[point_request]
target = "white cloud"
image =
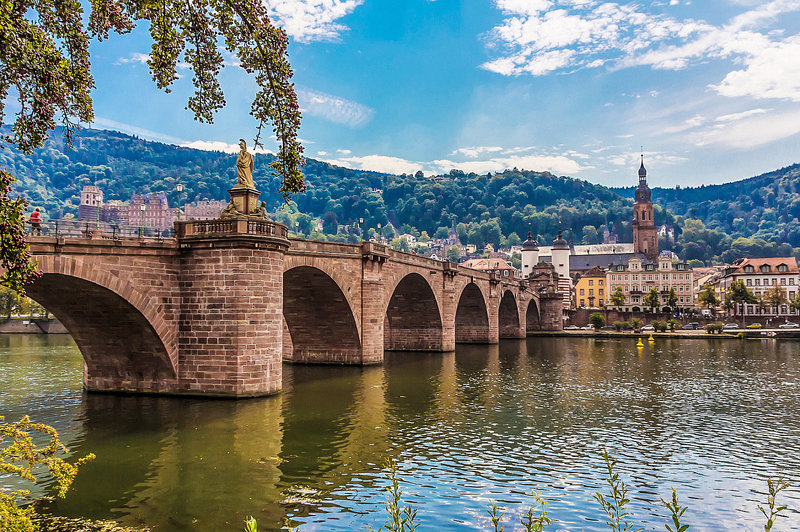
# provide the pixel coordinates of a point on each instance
(105, 123)
(773, 72)
(378, 163)
(539, 37)
(216, 145)
(475, 151)
(135, 57)
(344, 152)
(311, 20)
(738, 116)
(557, 164)
(751, 131)
(334, 108)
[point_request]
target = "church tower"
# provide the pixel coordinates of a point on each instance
(645, 236)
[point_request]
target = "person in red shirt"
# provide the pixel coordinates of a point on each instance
(36, 221)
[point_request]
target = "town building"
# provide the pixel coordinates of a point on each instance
(497, 265)
(91, 202)
(156, 213)
(759, 276)
(645, 234)
(204, 210)
(114, 212)
(590, 289)
(640, 275)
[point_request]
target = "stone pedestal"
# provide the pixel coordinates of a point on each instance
(244, 200)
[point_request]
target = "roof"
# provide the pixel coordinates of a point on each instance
(488, 264)
(594, 271)
(593, 249)
(530, 243)
(587, 262)
(773, 262)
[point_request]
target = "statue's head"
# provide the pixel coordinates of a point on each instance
(242, 144)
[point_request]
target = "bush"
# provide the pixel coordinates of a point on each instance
(659, 325)
(617, 325)
(674, 324)
(636, 323)
(597, 320)
(712, 328)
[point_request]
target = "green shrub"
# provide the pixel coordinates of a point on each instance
(712, 328)
(597, 320)
(674, 324)
(636, 323)
(618, 325)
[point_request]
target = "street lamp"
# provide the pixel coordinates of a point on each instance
(380, 236)
(297, 227)
(179, 188)
(142, 208)
(361, 228)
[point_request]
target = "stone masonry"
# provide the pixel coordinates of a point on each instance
(216, 310)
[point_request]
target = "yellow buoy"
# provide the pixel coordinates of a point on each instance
(651, 339)
(639, 343)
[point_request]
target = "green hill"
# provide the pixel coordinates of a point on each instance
(492, 208)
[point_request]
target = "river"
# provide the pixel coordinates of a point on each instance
(711, 418)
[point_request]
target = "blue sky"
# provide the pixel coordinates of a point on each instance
(710, 88)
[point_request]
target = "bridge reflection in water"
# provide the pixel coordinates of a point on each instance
(710, 418)
(215, 310)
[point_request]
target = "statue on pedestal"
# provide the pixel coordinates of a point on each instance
(244, 166)
(244, 196)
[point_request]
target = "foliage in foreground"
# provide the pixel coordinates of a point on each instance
(19, 457)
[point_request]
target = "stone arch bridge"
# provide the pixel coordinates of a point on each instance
(217, 310)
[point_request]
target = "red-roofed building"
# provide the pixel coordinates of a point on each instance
(500, 266)
(759, 276)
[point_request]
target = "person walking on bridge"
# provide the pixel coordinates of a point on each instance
(36, 221)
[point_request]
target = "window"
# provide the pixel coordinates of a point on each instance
(783, 281)
(748, 269)
(758, 282)
(600, 292)
(635, 278)
(791, 281)
(791, 295)
(583, 303)
(581, 291)
(591, 291)
(749, 282)
(765, 268)
(600, 282)
(591, 283)
(626, 277)
(783, 268)
(674, 277)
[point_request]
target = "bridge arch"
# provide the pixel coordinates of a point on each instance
(319, 319)
(412, 320)
(472, 316)
(123, 335)
(532, 317)
(508, 316)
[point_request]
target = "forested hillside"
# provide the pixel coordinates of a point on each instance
(752, 217)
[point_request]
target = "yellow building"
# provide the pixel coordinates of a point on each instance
(590, 290)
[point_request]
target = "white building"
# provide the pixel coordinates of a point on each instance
(639, 276)
(759, 276)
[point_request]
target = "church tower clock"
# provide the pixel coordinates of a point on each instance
(645, 236)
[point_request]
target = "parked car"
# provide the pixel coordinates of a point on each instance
(608, 328)
(693, 326)
(572, 328)
(729, 326)
(754, 326)
(789, 325)
(587, 328)
(648, 328)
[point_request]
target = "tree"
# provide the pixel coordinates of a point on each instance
(453, 253)
(740, 295)
(330, 223)
(22, 458)
(44, 58)
(617, 297)
(672, 300)
(708, 298)
(775, 297)
(652, 300)
(597, 319)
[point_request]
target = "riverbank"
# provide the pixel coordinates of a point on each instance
(733, 334)
(32, 326)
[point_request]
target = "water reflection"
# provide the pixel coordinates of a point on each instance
(711, 418)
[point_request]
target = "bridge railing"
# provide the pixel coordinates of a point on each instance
(233, 226)
(98, 230)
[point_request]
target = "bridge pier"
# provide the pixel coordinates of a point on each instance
(231, 319)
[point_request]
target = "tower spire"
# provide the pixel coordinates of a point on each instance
(642, 170)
